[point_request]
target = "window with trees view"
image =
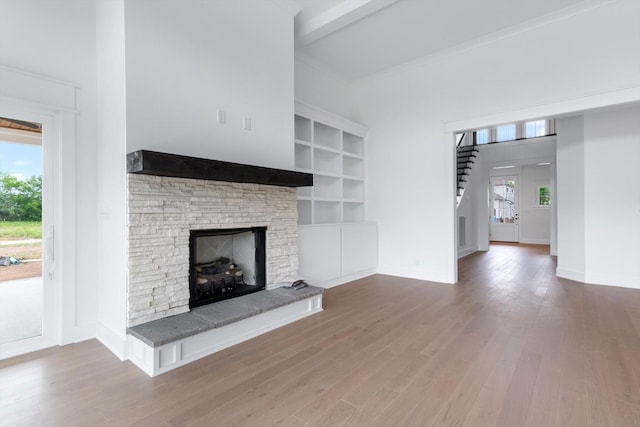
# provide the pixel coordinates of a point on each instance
(544, 195)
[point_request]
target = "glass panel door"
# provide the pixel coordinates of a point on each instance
(26, 297)
(504, 208)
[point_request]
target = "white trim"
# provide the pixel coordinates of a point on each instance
(52, 302)
(561, 107)
(577, 276)
(158, 360)
(53, 103)
(346, 279)
(112, 340)
(339, 16)
(535, 241)
(466, 252)
(37, 76)
(420, 274)
(325, 117)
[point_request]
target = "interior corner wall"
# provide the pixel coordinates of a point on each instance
(187, 59)
(410, 157)
(56, 40)
(612, 197)
(111, 276)
(571, 198)
(322, 89)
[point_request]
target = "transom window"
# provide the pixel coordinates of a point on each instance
(506, 133)
(482, 136)
(535, 128)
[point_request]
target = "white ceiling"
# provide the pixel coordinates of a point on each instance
(356, 38)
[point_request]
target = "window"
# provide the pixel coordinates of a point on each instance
(482, 136)
(506, 133)
(535, 128)
(544, 195)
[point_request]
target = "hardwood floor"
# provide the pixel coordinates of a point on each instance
(509, 345)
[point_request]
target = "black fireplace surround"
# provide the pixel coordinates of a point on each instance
(226, 263)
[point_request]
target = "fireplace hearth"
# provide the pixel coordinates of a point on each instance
(226, 263)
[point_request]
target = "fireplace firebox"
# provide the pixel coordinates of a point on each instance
(226, 263)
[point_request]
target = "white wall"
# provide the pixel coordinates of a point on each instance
(186, 59)
(322, 89)
(570, 195)
(57, 40)
(535, 221)
(612, 197)
(111, 275)
(410, 145)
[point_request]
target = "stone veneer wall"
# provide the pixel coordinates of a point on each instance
(162, 211)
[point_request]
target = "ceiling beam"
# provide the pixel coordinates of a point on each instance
(344, 13)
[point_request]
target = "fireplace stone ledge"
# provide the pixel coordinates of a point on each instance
(201, 319)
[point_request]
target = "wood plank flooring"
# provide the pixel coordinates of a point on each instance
(509, 345)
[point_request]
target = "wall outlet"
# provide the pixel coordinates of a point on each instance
(246, 123)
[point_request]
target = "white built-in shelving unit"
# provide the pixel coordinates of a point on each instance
(333, 150)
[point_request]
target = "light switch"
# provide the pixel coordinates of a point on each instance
(221, 116)
(246, 123)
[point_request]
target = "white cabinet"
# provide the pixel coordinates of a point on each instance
(332, 254)
(331, 148)
(335, 244)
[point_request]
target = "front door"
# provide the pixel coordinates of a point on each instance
(504, 209)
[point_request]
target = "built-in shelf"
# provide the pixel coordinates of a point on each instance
(303, 129)
(326, 136)
(326, 162)
(352, 189)
(326, 212)
(353, 211)
(303, 157)
(353, 167)
(333, 150)
(304, 211)
(352, 144)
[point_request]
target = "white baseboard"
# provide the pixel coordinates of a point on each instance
(84, 332)
(113, 341)
(345, 279)
(158, 360)
(578, 276)
(464, 252)
(535, 241)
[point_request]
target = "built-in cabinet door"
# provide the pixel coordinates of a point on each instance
(332, 254)
(504, 208)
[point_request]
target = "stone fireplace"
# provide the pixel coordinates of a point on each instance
(226, 263)
(170, 197)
